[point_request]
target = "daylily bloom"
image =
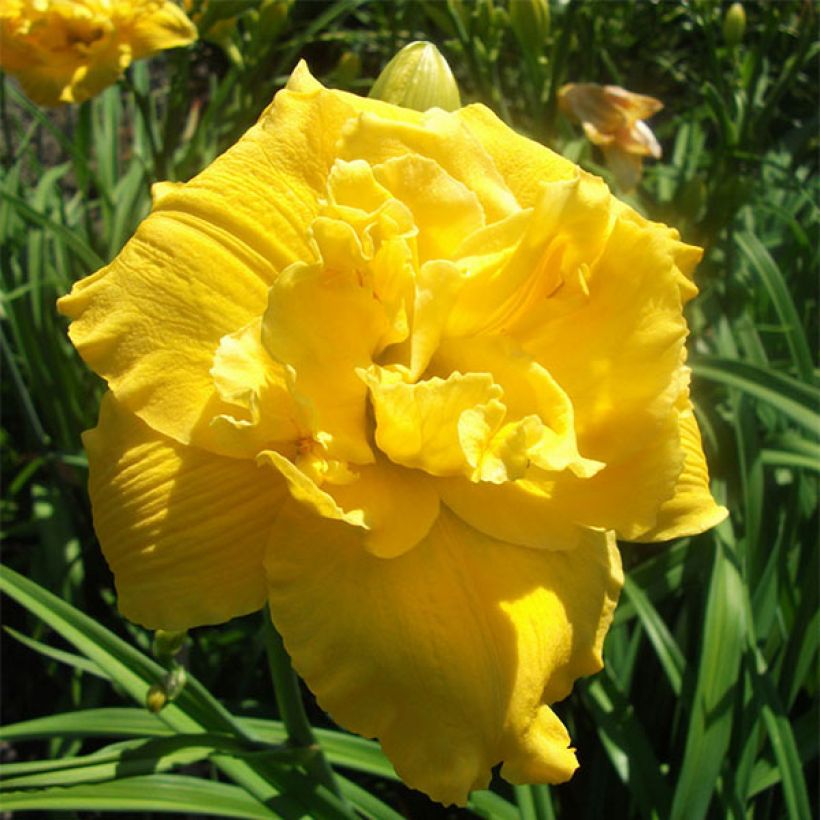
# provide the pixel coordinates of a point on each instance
(613, 119)
(405, 376)
(66, 51)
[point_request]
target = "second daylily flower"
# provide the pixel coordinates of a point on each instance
(613, 119)
(67, 51)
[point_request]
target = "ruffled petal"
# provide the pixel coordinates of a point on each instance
(417, 425)
(524, 164)
(183, 530)
(393, 508)
(441, 137)
(263, 412)
(166, 27)
(563, 235)
(200, 266)
(324, 323)
(691, 509)
(620, 358)
(530, 394)
(444, 210)
(449, 653)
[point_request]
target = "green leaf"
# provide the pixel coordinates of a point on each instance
(773, 280)
(667, 650)
(710, 724)
(194, 710)
(125, 760)
(75, 661)
(61, 232)
(795, 794)
(159, 792)
(626, 744)
(797, 401)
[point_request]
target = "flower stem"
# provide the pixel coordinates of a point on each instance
(292, 709)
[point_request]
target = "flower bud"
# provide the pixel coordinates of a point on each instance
(530, 22)
(418, 77)
(348, 68)
(156, 698)
(734, 25)
(175, 682)
(168, 643)
(273, 16)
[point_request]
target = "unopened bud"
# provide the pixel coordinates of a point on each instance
(530, 22)
(167, 643)
(348, 68)
(734, 25)
(273, 15)
(156, 698)
(175, 682)
(418, 77)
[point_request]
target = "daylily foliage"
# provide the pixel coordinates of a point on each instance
(405, 376)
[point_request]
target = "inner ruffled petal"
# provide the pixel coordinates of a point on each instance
(393, 509)
(417, 425)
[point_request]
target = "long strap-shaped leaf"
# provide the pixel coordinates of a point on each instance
(195, 710)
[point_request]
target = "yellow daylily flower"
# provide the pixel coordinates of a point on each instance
(613, 119)
(66, 51)
(405, 376)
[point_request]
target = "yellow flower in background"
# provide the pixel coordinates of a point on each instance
(65, 51)
(613, 118)
(405, 376)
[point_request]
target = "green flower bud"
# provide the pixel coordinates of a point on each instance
(530, 22)
(175, 682)
(156, 698)
(418, 77)
(734, 25)
(273, 15)
(348, 68)
(168, 643)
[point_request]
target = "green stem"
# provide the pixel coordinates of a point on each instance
(292, 709)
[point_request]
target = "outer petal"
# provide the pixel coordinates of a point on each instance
(183, 530)
(525, 165)
(200, 266)
(620, 357)
(691, 509)
(447, 652)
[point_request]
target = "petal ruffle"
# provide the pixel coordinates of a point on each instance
(448, 653)
(620, 358)
(324, 324)
(524, 164)
(200, 266)
(438, 136)
(183, 530)
(393, 508)
(692, 509)
(166, 27)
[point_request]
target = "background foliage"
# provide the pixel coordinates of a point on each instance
(708, 703)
